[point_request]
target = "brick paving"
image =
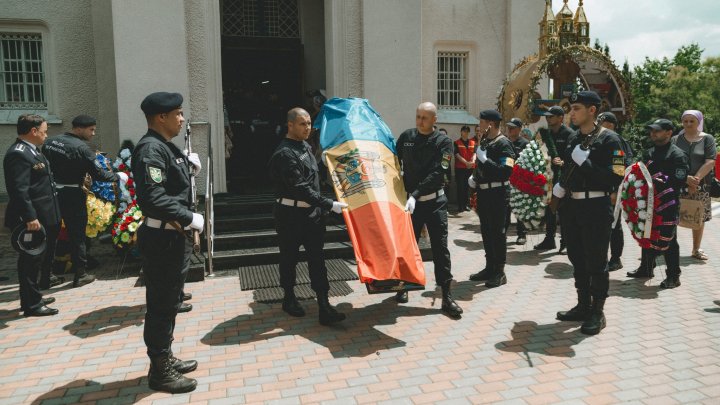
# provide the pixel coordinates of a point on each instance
(660, 347)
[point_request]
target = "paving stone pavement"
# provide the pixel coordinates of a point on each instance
(660, 347)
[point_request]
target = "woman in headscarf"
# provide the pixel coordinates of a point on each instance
(700, 148)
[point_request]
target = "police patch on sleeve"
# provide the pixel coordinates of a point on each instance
(507, 161)
(445, 161)
(619, 169)
(155, 174)
(680, 173)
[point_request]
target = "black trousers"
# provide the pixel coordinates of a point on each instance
(519, 226)
(433, 215)
(306, 227)
(617, 241)
(492, 208)
(166, 261)
(551, 222)
(463, 189)
(73, 209)
(586, 224)
(672, 257)
(29, 267)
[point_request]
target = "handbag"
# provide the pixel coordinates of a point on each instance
(691, 213)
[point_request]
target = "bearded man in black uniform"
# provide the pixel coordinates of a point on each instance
(495, 160)
(162, 185)
(589, 177)
(666, 158)
(300, 216)
(33, 204)
(72, 159)
(425, 156)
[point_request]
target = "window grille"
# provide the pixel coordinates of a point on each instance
(452, 80)
(22, 77)
(261, 18)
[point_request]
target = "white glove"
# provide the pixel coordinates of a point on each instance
(471, 182)
(123, 177)
(558, 191)
(410, 205)
(198, 222)
(323, 156)
(579, 155)
(481, 155)
(194, 159)
(338, 206)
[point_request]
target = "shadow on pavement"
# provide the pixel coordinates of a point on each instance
(106, 320)
(634, 288)
(93, 391)
(559, 271)
(469, 245)
(354, 337)
(554, 339)
(528, 257)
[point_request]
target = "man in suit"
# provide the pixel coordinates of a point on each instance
(33, 204)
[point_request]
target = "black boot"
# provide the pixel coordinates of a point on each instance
(449, 306)
(641, 272)
(671, 281)
(615, 264)
(291, 305)
(328, 315)
(579, 312)
(563, 245)
(50, 282)
(547, 243)
(164, 377)
(596, 322)
(482, 275)
(82, 278)
(402, 297)
(181, 366)
(498, 278)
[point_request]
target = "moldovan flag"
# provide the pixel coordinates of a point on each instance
(361, 156)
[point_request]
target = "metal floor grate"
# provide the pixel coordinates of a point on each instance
(268, 275)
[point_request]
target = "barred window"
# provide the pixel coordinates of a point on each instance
(452, 80)
(261, 18)
(22, 77)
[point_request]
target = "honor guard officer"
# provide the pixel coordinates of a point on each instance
(72, 159)
(32, 209)
(594, 167)
(425, 155)
(514, 127)
(464, 165)
(300, 216)
(609, 121)
(666, 158)
(495, 160)
(162, 185)
(556, 138)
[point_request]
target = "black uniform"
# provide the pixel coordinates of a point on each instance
(493, 201)
(425, 158)
(72, 159)
(518, 146)
(31, 189)
(617, 240)
(162, 187)
(556, 148)
(586, 221)
(672, 162)
(294, 172)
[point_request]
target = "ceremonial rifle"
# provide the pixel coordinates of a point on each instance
(193, 188)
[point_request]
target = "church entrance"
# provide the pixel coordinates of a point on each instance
(265, 45)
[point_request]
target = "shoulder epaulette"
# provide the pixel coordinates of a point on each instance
(20, 147)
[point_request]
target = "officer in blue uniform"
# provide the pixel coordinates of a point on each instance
(34, 205)
(72, 159)
(162, 185)
(425, 155)
(589, 177)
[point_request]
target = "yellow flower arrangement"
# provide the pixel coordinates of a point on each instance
(100, 215)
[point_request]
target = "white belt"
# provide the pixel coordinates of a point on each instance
(494, 184)
(66, 185)
(582, 195)
(432, 196)
(158, 224)
(293, 203)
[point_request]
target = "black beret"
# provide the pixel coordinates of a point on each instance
(609, 117)
(490, 115)
(586, 97)
(515, 123)
(555, 110)
(161, 102)
(83, 121)
(661, 125)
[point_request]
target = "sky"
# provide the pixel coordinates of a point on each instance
(634, 29)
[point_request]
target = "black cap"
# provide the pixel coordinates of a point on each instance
(514, 123)
(586, 97)
(555, 110)
(32, 243)
(609, 117)
(661, 125)
(83, 121)
(490, 115)
(161, 102)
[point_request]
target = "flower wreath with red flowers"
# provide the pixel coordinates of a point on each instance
(530, 185)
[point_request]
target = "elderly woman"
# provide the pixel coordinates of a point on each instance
(700, 147)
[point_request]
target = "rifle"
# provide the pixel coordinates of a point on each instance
(193, 188)
(569, 167)
(482, 144)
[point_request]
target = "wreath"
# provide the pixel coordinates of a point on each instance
(530, 184)
(129, 216)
